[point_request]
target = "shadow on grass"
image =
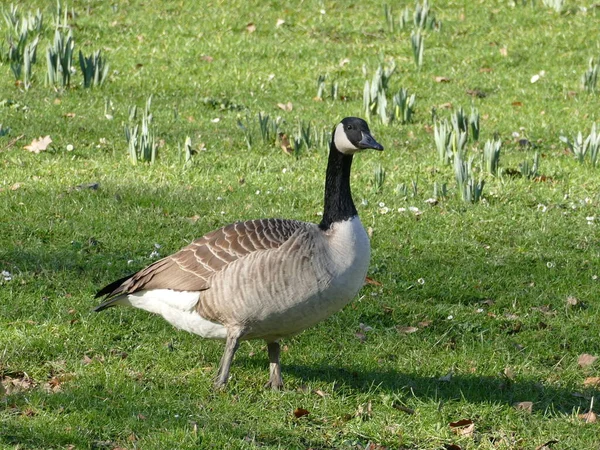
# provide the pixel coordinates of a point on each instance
(469, 388)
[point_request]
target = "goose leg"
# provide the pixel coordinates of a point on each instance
(231, 345)
(275, 380)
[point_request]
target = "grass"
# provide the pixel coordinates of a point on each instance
(489, 287)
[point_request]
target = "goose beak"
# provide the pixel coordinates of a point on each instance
(368, 141)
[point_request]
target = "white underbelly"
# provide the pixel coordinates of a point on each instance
(179, 309)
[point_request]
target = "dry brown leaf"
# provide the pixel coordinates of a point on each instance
(445, 106)
(441, 79)
(372, 282)
(504, 51)
(546, 445)
(524, 406)
(39, 145)
(586, 360)
(424, 323)
(517, 104)
(364, 411)
(70, 115)
(207, 58)
(87, 360)
(320, 393)
(15, 186)
(589, 417)
(300, 412)
(509, 373)
(486, 70)
(406, 330)
(14, 385)
(284, 143)
(286, 106)
(463, 427)
(193, 219)
(251, 28)
(452, 447)
(403, 408)
(592, 382)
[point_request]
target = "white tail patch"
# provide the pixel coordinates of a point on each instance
(178, 308)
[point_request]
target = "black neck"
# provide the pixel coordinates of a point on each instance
(338, 198)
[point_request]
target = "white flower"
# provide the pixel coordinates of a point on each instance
(70, 147)
(541, 207)
(550, 264)
(450, 317)
(381, 204)
(384, 210)
(401, 209)
(6, 275)
(421, 281)
(413, 209)
(215, 120)
(257, 192)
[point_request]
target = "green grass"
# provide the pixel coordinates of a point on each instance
(491, 280)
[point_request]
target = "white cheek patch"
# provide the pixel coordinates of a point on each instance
(342, 142)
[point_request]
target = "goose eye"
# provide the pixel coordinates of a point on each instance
(348, 127)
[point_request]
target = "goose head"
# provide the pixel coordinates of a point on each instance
(352, 135)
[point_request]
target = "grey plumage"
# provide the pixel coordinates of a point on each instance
(266, 279)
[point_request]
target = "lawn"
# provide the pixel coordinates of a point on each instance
(482, 312)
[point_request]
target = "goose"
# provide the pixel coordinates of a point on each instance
(263, 279)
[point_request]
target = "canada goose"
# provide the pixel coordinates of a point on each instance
(263, 279)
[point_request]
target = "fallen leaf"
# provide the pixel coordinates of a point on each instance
(452, 447)
(344, 61)
(279, 23)
(39, 145)
(445, 106)
(300, 412)
(403, 408)
(251, 28)
(517, 103)
(207, 58)
(504, 51)
(406, 330)
(509, 373)
(442, 79)
(592, 382)
(70, 115)
(586, 360)
(284, 143)
(424, 323)
(589, 417)
(87, 360)
(524, 406)
(486, 70)
(15, 186)
(463, 427)
(193, 219)
(546, 446)
(360, 336)
(370, 281)
(364, 411)
(286, 106)
(572, 301)
(320, 393)
(19, 384)
(476, 93)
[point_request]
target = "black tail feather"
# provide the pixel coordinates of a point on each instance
(112, 288)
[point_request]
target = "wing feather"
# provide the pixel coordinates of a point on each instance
(191, 268)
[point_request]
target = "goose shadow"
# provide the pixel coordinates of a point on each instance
(472, 388)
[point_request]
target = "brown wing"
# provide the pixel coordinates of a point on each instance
(191, 268)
